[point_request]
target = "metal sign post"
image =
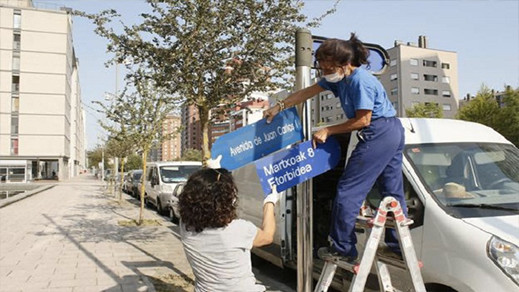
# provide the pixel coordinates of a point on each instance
(303, 52)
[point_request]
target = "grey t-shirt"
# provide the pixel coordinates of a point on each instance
(220, 257)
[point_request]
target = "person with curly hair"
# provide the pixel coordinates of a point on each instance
(217, 244)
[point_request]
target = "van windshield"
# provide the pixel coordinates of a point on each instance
(467, 178)
(178, 173)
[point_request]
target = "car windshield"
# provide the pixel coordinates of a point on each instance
(178, 173)
(469, 177)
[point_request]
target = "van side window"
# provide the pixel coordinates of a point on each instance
(149, 174)
(415, 207)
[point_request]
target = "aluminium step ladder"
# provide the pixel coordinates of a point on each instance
(362, 270)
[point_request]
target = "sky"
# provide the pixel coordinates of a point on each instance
(483, 33)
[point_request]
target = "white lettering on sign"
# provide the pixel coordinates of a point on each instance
(286, 129)
(284, 163)
(244, 146)
(248, 145)
(290, 175)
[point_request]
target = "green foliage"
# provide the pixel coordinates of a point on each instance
(425, 110)
(192, 155)
(134, 161)
(95, 157)
(210, 52)
(482, 109)
(485, 109)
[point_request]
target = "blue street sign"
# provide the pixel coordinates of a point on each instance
(290, 167)
(256, 140)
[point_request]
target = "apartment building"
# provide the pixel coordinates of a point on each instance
(419, 74)
(170, 148)
(42, 121)
(191, 137)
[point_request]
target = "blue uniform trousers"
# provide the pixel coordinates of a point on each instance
(376, 158)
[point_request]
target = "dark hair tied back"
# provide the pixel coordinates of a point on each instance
(361, 54)
(341, 52)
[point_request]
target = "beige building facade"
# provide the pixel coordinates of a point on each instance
(418, 74)
(171, 148)
(42, 121)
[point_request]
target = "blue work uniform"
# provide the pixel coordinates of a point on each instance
(376, 158)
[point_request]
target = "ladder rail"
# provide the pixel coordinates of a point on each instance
(376, 227)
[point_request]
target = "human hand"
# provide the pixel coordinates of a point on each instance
(320, 137)
(270, 113)
(273, 197)
(214, 163)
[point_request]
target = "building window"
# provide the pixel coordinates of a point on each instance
(14, 125)
(446, 66)
(414, 76)
(17, 19)
(446, 79)
(393, 77)
(427, 63)
(16, 41)
(413, 62)
(415, 90)
(431, 91)
(446, 107)
(446, 93)
(16, 63)
(14, 146)
(394, 91)
(428, 77)
(15, 104)
(15, 84)
(392, 63)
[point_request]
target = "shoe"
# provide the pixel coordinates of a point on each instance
(329, 253)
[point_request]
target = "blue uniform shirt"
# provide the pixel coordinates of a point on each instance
(361, 91)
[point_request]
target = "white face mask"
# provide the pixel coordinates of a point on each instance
(334, 78)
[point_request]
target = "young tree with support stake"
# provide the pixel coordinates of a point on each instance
(141, 114)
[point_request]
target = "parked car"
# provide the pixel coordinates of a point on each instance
(161, 179)
(172, 205)
(467, 240)
(126, 183)
(135, 180)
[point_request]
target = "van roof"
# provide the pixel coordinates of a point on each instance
(175, 163)
(422, 130)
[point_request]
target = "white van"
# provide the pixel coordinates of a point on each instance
(461, 183)
(161, 179)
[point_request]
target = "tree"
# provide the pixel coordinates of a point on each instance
(211, 52)
(134, 161)
(95, 156)
(507, 121)
(485, 109)
(192, 155)
(482, 109)
(120, 146)
(138, 115)
(425, 110)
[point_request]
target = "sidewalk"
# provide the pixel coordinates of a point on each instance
(68, 238)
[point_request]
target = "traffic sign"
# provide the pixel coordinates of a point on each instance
(290, 167)
(254, 141)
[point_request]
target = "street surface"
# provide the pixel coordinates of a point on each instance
(69, 238)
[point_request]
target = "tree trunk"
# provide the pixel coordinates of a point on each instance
(122, 180)
(204, 124)
(143, 179)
